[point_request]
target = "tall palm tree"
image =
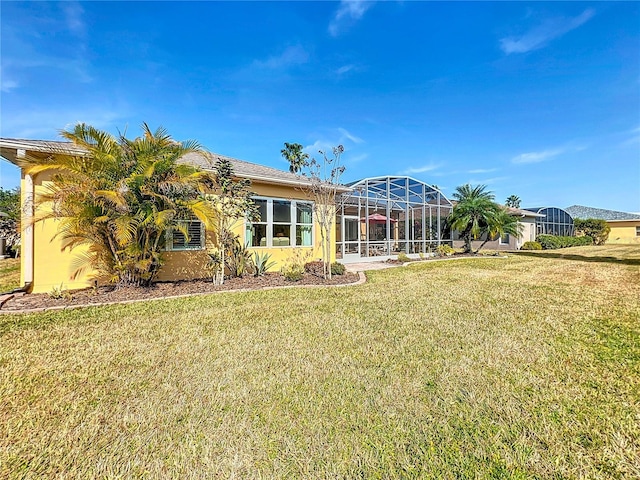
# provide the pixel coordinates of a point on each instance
(292, 152)
(513, 201)
(473, 212)
(121, 197)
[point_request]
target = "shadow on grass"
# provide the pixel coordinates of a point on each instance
(580, 258)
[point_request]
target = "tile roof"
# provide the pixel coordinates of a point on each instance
(244, 169)
(252, 171)
(582, 212)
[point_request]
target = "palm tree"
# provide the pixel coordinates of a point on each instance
(122, 197)
(513, 201)
(473, 212)
(292, 152)
(499, 224)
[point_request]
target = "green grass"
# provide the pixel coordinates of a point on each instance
(524, 367)
(9, 274)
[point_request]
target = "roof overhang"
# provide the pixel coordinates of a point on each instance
(15, 149)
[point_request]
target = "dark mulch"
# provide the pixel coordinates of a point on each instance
(108, 294)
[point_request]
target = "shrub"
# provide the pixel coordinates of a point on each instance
(293, 269)
(551, 242)
(338, 269)
(402, 257)
(595, 228)
(531, 246)
(293, 272)
(444, 249)
(58, 293)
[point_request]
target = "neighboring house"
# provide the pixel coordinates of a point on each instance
(553, 221)
(526, 218)
(625, 227)
(286, 224)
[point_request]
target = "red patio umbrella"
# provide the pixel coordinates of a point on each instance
(378, 218)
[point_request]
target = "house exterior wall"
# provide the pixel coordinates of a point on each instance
(53, 265)
(624, 232)
(57, 267)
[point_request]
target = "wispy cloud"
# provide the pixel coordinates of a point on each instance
(422, 169)
(345, 135)
(542, 34)
(293, 55)
(544, 155)
(45, 123)
(73, 14)
(319, 146)
(634, 138)
(338, 136)
(487, 181)
(24, 52)
(349, 12)
(6, 83)
(345, 69)
(536, 157)
(482, 170)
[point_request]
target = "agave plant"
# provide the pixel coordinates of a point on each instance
(262, 263)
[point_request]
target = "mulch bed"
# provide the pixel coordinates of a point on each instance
(109, 294)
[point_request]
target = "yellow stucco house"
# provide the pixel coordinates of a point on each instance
(286, 225)
(625, 227)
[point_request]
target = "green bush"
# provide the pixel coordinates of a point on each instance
(293, 272)
(293, 269)
(595, 228)
(444, 249)
(531, 246)
(551, 242)
(338, 269)
(402, 257)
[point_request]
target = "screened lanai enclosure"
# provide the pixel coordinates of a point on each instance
(556, 221)
(384, 216)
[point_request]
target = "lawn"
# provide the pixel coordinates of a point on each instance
(519, 367)
(9, 274)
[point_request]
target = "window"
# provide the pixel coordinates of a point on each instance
(281, 223)
(176, 240)
(304, 224)
(504, 239)
(637, 231)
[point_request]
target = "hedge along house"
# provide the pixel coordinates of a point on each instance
(526, 218)
(625, 227)
(553, 221)
(385, 216)
(286, 223)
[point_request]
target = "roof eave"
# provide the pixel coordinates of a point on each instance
(10, 148)
(293, 183)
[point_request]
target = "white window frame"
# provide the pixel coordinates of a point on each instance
(508, 239)
(169, 238)
(294, 223)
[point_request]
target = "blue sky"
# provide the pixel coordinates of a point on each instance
(540, 100)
